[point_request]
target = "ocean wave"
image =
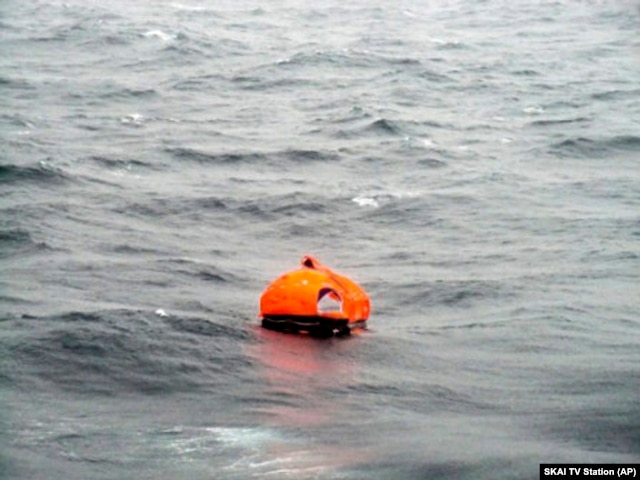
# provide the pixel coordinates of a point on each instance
(269, 208)
(99, 37)
(199, 270)
(297, 205)
(174, 206)
(110, 352)
(17, 121)
(185, 50)
(616, 94)
(16, 83)
(363, 126)
(405, 133)
(276, 208)
(435, 76)
(19, 242)
(431, 162)
(526, 72)
(265, 83)
(304, 156)
(198, 83)
(345, 58)
(131, 250)
(195, 155)
(119, 92)
(452, 294)
(121, 163)
(290, 155)
(584, 147)
(625, 142)
(408, 210)
(560, 121)
(383, 126)
(43, 174)
(12, 300)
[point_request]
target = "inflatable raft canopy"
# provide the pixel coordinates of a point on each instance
(314, 299)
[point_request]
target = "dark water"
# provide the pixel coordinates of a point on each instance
(474, 165)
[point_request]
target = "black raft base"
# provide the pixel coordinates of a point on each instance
(315, 326)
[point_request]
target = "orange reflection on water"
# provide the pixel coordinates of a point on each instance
(308, 384)
(301, 375)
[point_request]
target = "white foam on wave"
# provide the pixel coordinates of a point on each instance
(135, 119)
(374, 201)
(188, 8)
(418, 142)
(441, 42)
(366, 202)
(533, 110)
(165, 37)
(428, 143)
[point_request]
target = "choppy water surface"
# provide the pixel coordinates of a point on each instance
(474, 165)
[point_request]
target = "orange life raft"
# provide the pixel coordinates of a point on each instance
(314, 299)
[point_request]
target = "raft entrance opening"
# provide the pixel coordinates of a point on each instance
(329, 301)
